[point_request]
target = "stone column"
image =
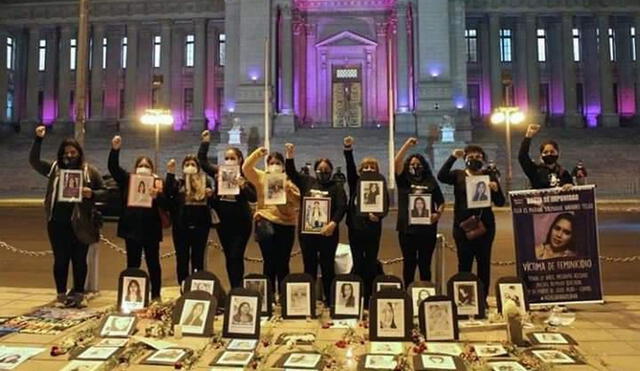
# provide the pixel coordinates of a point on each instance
(165, 64)
(32, 76)
(571, 116)
(199, 75)
(299, 79)
(64, 58)
(608, 117)
(4, 86)
(48, 78)
(494, 56)
(211, 105)
(379, 73)
(624, 64)
(131, 75)
(284, 121)
(637, 25)
(232, 51)
(484, 53)
(533, 74)
(312, 58)
(112, 76)
(402, 58)
(590, 70)
(97, 73)
(521, 65)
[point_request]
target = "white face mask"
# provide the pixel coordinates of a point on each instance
(143, 171)
(190, 169)
(275, 168)
(231, 162)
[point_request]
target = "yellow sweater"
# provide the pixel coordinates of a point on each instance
(279, 214)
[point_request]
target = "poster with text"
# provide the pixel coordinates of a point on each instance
(556, 241)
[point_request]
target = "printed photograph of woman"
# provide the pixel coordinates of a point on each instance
(559, 241)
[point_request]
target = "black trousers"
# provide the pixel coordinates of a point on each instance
(478, 249)
(276, 242)
(417, 251)
(234, 243)
(314, 248)
(67, 249)
(190, 244)
(365, 244)
(151, 257)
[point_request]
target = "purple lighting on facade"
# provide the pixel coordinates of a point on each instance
(49, 111)
(592, 113)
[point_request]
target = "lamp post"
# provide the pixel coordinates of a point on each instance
(508, 116)
(157, 117)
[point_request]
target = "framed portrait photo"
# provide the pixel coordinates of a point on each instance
(302, 360)
(242, 314)
(260, 284)
(371, 196)
(194, 312)
(78, 365)
(490, 350)
(432, 361)
(347, 296)
(468, 295)
(133, 290)
(419, 209)
(380, 362)
(551, 338)
(228, 180)
(452, 349)
(386, 281)
(316, 214)
(233, 358)
(437, 318)
(242, 344)
(506, 366)
(386, 347)
(139, 192)
(117, 326)
(195, 189)
(275, 189)
(553, 356)
(70, 185)
(511, 289)
(419, 291)
(390, 316)
(205, 281)
(165, 357)
(97, 353)
(298, 297)
(112, 342)
(478, 191)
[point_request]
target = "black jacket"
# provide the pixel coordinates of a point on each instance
(355, 219)
(234, 211)
(182, 215)
(307, 183)
(140, 224)
(540, 176)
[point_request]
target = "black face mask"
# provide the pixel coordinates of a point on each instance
(416, 171)
(323, 177)
(550, 159)
(473, 164)
(71, 162)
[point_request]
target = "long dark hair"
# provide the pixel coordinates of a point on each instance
(276, 155)
(70, 142)
(321, 160)
(144, 158)
(568, 217)
(191, 157)
(426, 172)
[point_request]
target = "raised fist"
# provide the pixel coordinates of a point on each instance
(116, 142)
(532, 130)
(206, 136)
(411, 142)
(263, 151)
(41, 131)
(348, 141)
(458, 153)
(290, 150)
(171, 166)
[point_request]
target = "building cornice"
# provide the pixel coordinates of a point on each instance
(553, 6)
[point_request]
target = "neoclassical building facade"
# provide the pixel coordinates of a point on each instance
(330, 63)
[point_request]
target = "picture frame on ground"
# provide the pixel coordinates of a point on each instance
(302, 360)
(431, 361)
(391, 316)
(478, 191)
(203, 285)
(511, 289)
(166, 357)
(275, 186)
(385, 347)
(228, 180)
(133, 290)
(452, 349)
(347, 296)
(109, 342)
(234, 358)
(438, 319)
(467, 292)
(98, 353)
(490, 350)
(298, 296)
(260, 284)
(419, 209)
(316, 214)
(380, 362)
(298, 338)
(13, 356)
(139, 191)
(371, 196)
(551, 338)
(195, 189)
(242, 344)
(78, 365)
(205, 281)
(552, 356)
(506, 366)
(118, 326)
(194, 312)
(419, 291)
(70, 185)
(386, 281)
(242, 314)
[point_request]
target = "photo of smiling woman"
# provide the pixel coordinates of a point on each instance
(559, 241)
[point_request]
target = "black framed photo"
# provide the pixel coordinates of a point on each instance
(316, 214)
(260, 284)
(420, 290)
(133, 290)
(438, 319)
(298, 297)
(207, 282)
(554, 356)
(372, 190)
(242, 314)
(118, 326)
(511, 289)
(300, 360)
(385, 281)
(242, 344)
(390, 316)
(194, 313)
(347, 296)
(436, 361)
(490, 350)
(467, 292)
(379, 362)
(97, 353)
(233, 358)
(165, 357)
(551, 338)
(419, 211)
(506, 365)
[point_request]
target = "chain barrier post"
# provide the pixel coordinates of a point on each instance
(92, 274)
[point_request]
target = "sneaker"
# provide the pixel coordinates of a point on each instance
(61, 300)
(78, 301)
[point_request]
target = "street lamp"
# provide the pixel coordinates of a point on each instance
(157, 117)
(508, 116)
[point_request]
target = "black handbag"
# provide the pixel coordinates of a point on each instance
(86, 224)
(473, 227)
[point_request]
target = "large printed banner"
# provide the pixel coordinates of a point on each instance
(556, 240)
